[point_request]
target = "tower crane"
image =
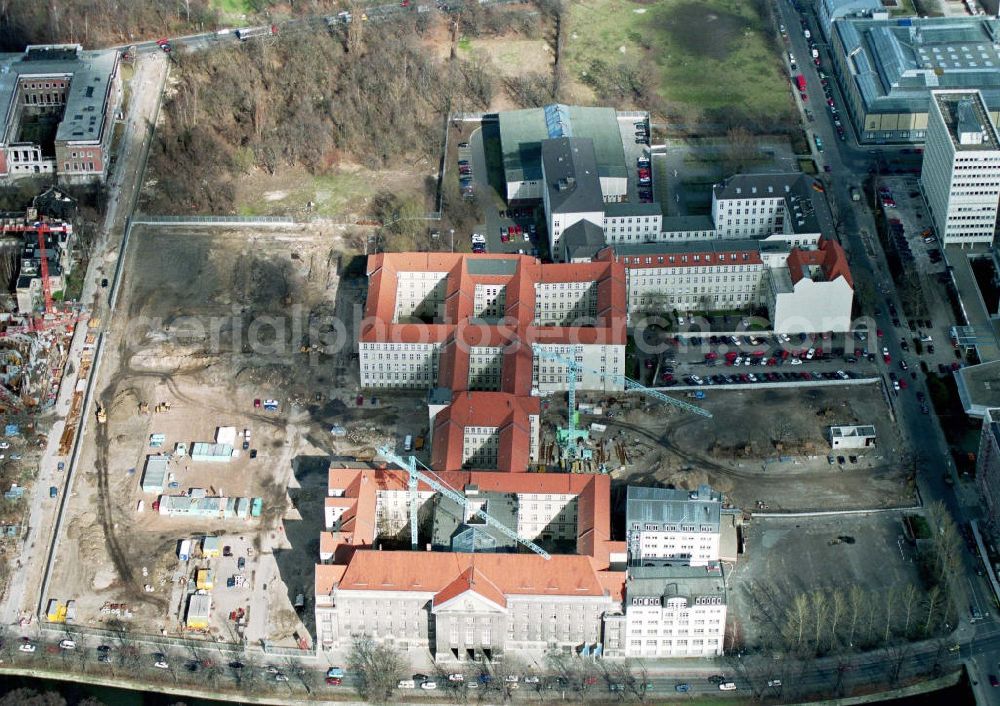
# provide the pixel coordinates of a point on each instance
(573, 369)
(410, 463)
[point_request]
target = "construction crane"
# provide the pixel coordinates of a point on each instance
(572, 371)
(43, 230)
(409, 465)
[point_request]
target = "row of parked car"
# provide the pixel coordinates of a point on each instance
(771, 376)
(465, 170)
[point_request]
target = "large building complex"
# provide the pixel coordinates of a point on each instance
(523, 132)
(472, 322)
(961, 169)
(888, 68)
(486, 430)
(58, 104)
(802, 288)
(470, 595)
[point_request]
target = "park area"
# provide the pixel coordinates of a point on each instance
(709, 60)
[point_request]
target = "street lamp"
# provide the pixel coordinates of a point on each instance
(452, 232)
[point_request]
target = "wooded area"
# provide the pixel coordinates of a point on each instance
(366, 93)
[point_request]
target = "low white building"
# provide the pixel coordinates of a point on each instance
(852, 437)
(672, 526)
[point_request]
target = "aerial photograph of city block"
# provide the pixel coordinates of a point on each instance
(499, 351)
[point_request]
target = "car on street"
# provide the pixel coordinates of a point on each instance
(280, 677)
(67, 644)
(682, 688)
(160, 664)
(456, 677)
(26, 647)
(428, 685)
(993, 681)
(333, 681)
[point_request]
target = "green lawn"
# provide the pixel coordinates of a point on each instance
(232, 8)
(712, 55)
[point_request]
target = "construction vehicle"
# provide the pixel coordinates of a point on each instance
(569, 436)
(144, 408)
(102, 416)
(430, 478)
(162, 407)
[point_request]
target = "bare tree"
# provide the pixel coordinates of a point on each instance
(909, 604)
(890, 611)
(820, 608)
(795, 622)
(856, 598)
(932, 606)
(838, 608)
(377, 668)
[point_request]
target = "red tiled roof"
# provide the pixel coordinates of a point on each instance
(485, 409)
(328, 576)
(593, 499)
(469, 580)
(829, 256)
(433, 572)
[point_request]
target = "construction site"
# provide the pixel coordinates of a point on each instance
(222, 368)
(37, 324)
(765, 449)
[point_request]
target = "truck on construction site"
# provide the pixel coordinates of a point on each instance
(245, 33)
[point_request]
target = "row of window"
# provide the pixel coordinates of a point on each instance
(720, 258)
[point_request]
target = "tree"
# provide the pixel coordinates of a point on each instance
(932, 605)
(377, 668)
(890, 610)
(795, 622)
(742, 149)
(820, 608)
(909, 604)
(838, 608)
(856, 599)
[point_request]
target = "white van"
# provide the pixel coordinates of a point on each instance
(727, 686)
(408, 443)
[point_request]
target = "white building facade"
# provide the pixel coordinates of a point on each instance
(961, 170)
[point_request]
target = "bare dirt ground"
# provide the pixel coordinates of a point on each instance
(210, 321)
(769, 446)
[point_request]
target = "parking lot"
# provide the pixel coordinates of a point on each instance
(635, 141)
(721, 359)
(909, 226)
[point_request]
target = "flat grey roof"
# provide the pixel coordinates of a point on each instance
(965, 113)
(979, 387)
(683, 224)
(91, 71)
(662, 506)
(522, 131)
(689, 582)
(571, 180)
(666, 247)
(491, 266)
(896, 63)
(627, 208)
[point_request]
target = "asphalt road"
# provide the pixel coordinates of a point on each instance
(850, 164)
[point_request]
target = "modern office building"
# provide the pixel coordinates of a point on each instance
(887, 69)
(58, 104)
(961, 170)
(988, 464)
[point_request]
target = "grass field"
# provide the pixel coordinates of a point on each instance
(232, 8)
(712, 55)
